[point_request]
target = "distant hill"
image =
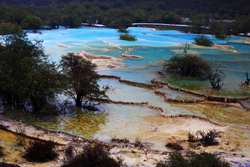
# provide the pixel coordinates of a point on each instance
(240, 6)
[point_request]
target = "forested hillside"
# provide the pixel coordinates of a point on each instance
(35, 14)
(241, 6)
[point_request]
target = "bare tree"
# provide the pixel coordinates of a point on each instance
(248, 80)
(216, 75)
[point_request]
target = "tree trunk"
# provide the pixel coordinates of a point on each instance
(78, 101)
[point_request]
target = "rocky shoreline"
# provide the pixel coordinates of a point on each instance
(144, 155)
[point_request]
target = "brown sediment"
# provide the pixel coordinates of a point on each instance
(110, 76)
(244, 106)
(162, 111)
(9, 124)
(153, 81)
(176, 89)
(110, 62)
(184, 100)
(205, 97)
(161, 73)
(246, 40)
(122, 144)
(226, 99)
(160, 93)
(222, 46)
(61, 138)
(163, 62)
(38, 133)
(121, 102)
(159, 84)
(164, 95)
(62, 46)
(172, 116)
(193, 117)
(138, 84)
(114, 139)
(156, 108)
(91, 57)
(130, 56)
(114, 64)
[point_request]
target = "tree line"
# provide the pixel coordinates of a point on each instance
(31, 14)
(30, 80)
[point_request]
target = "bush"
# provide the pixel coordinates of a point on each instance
(93, 157)
(221, 35)
(40, 151)
(123, 30)
(194, 160)
(208, 138)
(32, 22)
(1, 151)
(127, 37)
(216, 75)
(121, 22)
(220, 30)
(247, 79)
(9, 28)
(4, 164)
(188, 65)
(69, 152)
(202, 40)
(191, 137)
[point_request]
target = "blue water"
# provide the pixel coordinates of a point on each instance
(153, 46)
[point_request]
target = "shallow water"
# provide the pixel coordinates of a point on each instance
(127, 121)
(11, 150)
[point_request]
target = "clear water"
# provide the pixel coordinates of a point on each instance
(126, 121)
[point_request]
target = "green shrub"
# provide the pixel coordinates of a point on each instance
(220, 30)
(188, 65)
(120, 22)
(194, 160)
(177, 160)
(40, 151)
(160, 164)
(127, 37)
(221, 35)
(123, 30)
(9, 28)
(93, 157)
(202, 40)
